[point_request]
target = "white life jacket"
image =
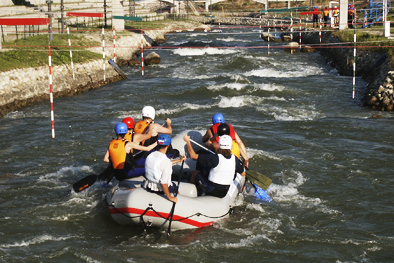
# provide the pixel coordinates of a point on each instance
(224, 172)
(152, 170)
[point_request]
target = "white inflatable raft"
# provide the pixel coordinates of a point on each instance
(130, 204)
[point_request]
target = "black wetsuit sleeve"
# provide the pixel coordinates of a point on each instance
(209, 160)
(238, 166)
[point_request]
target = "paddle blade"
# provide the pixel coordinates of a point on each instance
(259, 179)
(261, 194)
(85, 183)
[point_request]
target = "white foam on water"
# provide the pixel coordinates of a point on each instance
(203, 51)
(228, 39)
(284, 73)
(233, 86)
(292, 113)
(255, 152)
(244, 100)
(64, 171)
(34, 241)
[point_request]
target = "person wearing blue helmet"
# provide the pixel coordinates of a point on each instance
(120, 153)
(211, 137)
(158, 169)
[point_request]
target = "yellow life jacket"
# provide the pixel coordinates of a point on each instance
(335, 11)
(325, 12)
(235, 149)
(117, 153)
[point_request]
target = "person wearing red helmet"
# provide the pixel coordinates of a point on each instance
(119, 153)
(131, 136)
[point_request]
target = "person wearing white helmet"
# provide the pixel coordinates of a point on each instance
(223, 165)
(147, 123)
(336, 17)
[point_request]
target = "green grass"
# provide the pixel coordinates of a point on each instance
(33, 52)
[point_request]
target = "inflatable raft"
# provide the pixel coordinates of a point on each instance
(131, 204)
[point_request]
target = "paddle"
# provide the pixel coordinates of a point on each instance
(255, 177)
(173, 205)
(89, 180)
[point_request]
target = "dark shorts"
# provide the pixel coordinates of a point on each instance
(211, 188)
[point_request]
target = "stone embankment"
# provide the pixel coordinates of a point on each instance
(22, 87)
(372, 65)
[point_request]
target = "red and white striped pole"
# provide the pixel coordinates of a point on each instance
(103, 53)
(71, 54)
(142, 53)
(300, 32)
(268, 48)
(320, 32)
(51, 92)
(113, 32)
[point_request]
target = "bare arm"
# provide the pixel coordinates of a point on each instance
(136, 146)
(157, 128)
(242, 149)
(138, 137)
(168, 194)
(106, 156)
(183, 158)
(207, 135)
(192, 153)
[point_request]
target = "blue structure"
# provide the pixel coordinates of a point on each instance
(375, 12)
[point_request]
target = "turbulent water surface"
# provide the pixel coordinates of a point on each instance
(331, 164)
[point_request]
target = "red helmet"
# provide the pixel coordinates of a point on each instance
(129, 121)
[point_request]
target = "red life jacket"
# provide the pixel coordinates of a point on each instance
(214, 129)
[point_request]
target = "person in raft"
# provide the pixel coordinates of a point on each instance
(119, 153)
(158, 169)
(211, 136)
(223, 165)
(147, 123)
(131, 136)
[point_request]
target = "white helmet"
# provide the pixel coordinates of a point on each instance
(148, 112)
(225, 142)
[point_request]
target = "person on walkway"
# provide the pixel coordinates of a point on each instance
(120, 151)
(326, 16)
(336, 16)
(315, 17)
(351, 14)
(223, 165)
(158, 169)
(211, 136)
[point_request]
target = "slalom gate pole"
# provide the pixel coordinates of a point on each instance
(103, 53)
(142, 53)
(261, 21)
(320, 31)
(113, 33)
(354, 64)
(291, 25)
(51, 91)
(300, 32)
(268, 48)
(71, 54)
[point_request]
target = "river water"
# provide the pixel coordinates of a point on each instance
(329, 161)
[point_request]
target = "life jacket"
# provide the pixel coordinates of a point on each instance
(117, 153)
(141, 126)
(224, 172)
(325, 12)
(335, 11)
(350, 12)
(235, 149)
(129, 136)
(214, 130)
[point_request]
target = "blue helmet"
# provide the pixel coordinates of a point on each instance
(218, 118)
(121, 128)
(164, 139)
